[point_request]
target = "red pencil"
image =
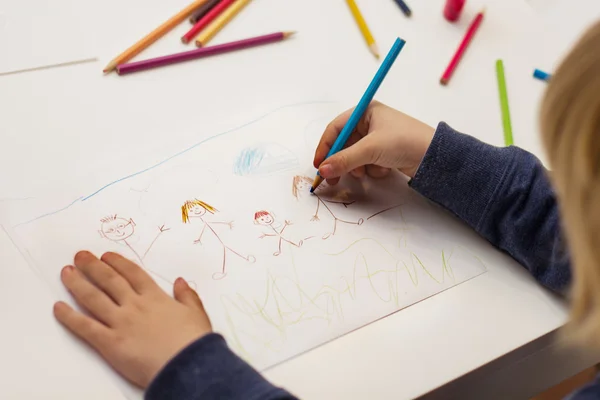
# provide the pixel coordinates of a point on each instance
(462, 48)
(207, 19)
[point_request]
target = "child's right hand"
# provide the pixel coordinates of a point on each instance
(384, 139)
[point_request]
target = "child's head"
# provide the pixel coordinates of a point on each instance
(263, 218)
(116, 228)
(570, 121)
(300, 184)
(195, 208)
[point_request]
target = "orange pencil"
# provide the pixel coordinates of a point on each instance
(153, 36)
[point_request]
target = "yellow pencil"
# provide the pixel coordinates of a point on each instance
(364, 29)
(153, 36)
(220, 22)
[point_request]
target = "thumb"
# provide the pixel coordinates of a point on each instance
(186, 295)
(348, 159)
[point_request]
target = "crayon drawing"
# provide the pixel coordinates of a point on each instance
(301, 186)
(197, 209)
(266, 219)
(119, 230)
(263, 159)
(354, 253)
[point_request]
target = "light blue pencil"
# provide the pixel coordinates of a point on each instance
(364, 102)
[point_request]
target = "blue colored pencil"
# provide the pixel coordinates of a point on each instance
(364, 102)
(404, 7)
(541, 75)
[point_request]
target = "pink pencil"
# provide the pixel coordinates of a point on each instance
(204, 21)
(462, 48)
(124, 69)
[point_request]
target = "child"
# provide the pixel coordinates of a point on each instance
(166, 345)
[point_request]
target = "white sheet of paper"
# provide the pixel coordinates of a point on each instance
(280, 271)
(41, 33)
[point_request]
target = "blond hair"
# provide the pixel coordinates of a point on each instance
(298, 179)
(187, 206)
(570, 122)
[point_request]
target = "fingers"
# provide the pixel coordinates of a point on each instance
(86, 328)
(331, 133)
(103, 276)
(350, 158)
(139, 279)
(184, 294)
(375, 171)
(88, 296)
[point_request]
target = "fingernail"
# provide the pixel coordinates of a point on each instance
(67, 269)
(181, 281)
(326, 171)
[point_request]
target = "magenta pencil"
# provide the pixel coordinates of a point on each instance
(138, 66)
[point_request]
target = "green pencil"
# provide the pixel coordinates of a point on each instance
(508, 136)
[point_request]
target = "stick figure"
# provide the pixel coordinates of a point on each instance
(301, 184)
(197, 209)
(119, 230)
(265, 218)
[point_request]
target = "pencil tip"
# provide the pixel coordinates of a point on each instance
(443, 81)
(312, 189)
(374, 50)
(110, 67)
(184, 40)
(289, 33)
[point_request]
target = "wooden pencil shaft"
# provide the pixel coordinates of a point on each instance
(462, 48)
(154, 35)
(360, 21)
(404, 7)
(201, 53)
(206, 20)
(220, 22)
(203, 10)
(504, 108)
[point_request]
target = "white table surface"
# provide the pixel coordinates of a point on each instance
(74, 129)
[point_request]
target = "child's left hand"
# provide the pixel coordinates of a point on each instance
(134, 324)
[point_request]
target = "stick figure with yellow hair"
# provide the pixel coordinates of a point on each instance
(197, 209)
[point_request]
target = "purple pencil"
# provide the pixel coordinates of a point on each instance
(143, 65)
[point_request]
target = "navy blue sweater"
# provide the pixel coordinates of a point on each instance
(502, 193)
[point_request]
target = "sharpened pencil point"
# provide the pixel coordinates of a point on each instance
(374, 50)
(289, 33)
(443, 81)
(318, 180)
(110, 67)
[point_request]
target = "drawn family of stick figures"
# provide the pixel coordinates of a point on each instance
(119, 229)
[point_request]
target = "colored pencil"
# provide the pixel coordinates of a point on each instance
(404, 7)
(541, 75)
(220, 22)
(363, 104)
(508, 136)
(203, 10)
(364, 28)
(462, 48)
(201, 52)
(153, 36)
(207, 19)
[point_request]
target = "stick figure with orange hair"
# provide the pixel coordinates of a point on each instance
(198, 209)
(265, 218)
